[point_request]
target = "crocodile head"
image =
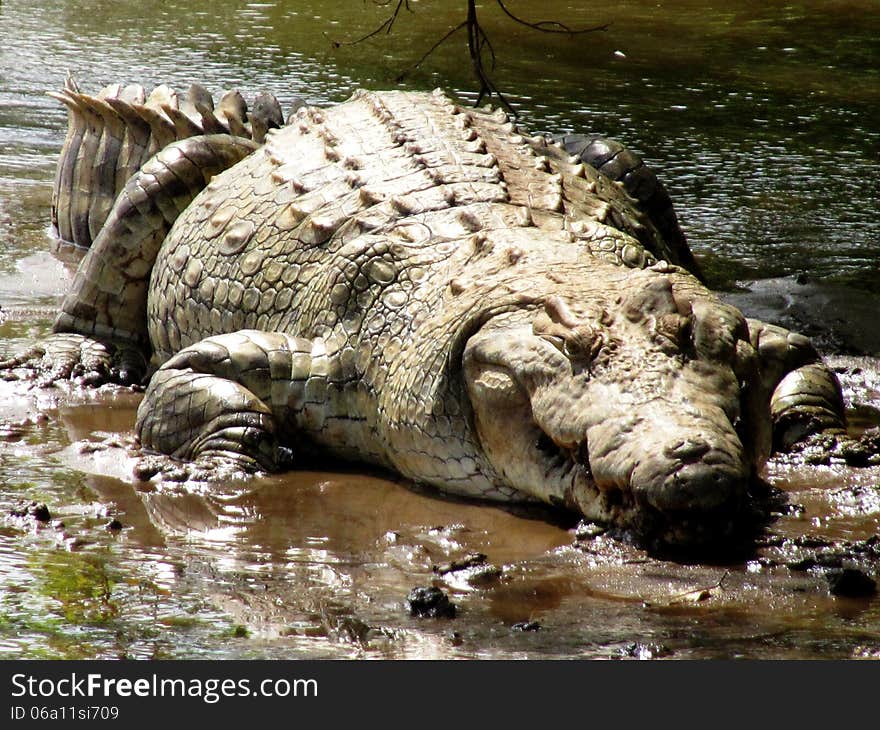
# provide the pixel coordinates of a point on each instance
(626, 410)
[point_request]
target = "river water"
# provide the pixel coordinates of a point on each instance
(762, 121)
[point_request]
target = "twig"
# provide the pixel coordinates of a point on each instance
(386, 26)
(551, 26)
(433, 48)
(693, 596)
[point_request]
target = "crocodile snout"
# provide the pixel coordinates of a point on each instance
(687, 451)
(692, 475)
(670, 460)
(694, 486)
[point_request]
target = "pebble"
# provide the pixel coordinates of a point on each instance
(430, 602)
(526, 626)
(850, 582)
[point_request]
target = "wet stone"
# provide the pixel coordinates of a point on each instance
(16, 430)
(588, 531)
(823, 449)
(469, 561)
(35, 510)
(638, 650)
(145, 470)
(869, 546)
(820, 560)
(40, 512)
(484, 575)
(866, 652)
(526, 626)
(862, 452)
(791, 510)
(850, 582)
(430, 602)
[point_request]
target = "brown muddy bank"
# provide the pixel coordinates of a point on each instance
(321, 564)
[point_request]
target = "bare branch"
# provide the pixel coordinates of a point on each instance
(477, 41)
(696, 595)
(551, 26)
(386, 26)
(433, 48)
(479, 46)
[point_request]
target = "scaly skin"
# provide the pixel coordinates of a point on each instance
(112, 135)
(109, 292)
(61, 191)
(401, 281)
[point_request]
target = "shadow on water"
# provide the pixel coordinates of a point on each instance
(759, 119)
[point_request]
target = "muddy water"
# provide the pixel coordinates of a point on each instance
(762, 120)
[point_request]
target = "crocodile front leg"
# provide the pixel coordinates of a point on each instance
(805, 396)
(235, 397)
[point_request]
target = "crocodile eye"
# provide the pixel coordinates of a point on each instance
(571, 334)
(674, 332)
(583, 343)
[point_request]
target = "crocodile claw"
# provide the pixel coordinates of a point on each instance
(68, 356)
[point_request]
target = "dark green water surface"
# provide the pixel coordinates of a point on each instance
(763, 120)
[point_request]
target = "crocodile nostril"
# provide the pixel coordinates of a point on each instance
(687, 451)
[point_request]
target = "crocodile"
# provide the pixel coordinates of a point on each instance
(402, 281)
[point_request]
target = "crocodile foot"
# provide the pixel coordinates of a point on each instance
(205, 469)
(67, 356)
(861, 450)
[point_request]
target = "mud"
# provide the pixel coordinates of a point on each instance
(324, 564)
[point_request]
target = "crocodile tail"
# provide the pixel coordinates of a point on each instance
(62, 187)
(622, 165)
(111, 136)
(108, 297)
